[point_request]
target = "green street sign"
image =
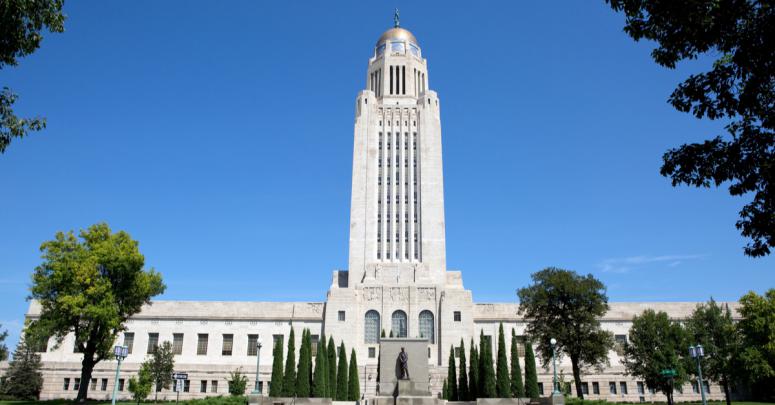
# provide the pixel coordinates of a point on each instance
(668, 373)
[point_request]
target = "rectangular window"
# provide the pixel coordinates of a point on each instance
(540, 388)
(201, 344)
(277, 339)
(93, 385)
(372, 352)
(695, 387)
(76, 384)
(706, 386)
(641, 388)
(585, 388)
(596, 388)
(623, 387)
(203, 386)
(621, 341)
(456, 316)
(314, 344)
(214, 386)
(129, 341)
(177, 343)
(120, 384)
(612, 387)
(104, 384)
(67, 384)
(260, 387)
(252, 345)
(457, 352)
(521, 345)
(340, 316)
(228, 344)
(153, 341)
(186, 385)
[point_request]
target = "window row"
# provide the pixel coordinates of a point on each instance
(398, 326)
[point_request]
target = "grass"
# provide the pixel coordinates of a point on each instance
(220, 400)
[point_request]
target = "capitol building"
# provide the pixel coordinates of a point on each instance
(397, 278)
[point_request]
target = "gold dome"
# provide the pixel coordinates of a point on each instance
(397, 33)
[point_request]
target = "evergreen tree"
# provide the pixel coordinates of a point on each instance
(354, 387)
(303, 370)
(531, 375)
(23, 379)
(341, 375)
(462, 386)
(383, 333)
(289, 376)
(331, 364)
(445, 390)
(319, 386)
(473, 373)
(487, 371)
(502, 383)
(276, 387)
(517, 386)
(391, 333)
(452, 376)
(3, 347)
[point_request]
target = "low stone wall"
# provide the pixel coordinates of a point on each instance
(263, 400)
(500, 401)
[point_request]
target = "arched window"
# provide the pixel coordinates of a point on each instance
(371, 327)
(426, 326)
(399, 324)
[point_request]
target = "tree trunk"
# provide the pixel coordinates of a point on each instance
(576, 376)
(725, 384)
(87, 365)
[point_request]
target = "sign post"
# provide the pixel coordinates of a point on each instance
(179, 380)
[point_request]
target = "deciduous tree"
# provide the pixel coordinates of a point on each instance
(566, 306)
(22, 23)
(140, 385)
(757, 328)
(237, 382)
(161, 365)
(739, 89)
(90, 287)
(656, 344)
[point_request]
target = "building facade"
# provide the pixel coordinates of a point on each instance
(397, 281)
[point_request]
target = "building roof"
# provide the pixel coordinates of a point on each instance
(397, 33)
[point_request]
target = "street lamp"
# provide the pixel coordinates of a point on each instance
(697, 352)
(120, 352)
(258, 359)
(555, 388)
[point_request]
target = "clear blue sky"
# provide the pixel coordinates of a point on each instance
(220, 137)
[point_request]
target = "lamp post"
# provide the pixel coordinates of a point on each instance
(697, 352)
(555, 390)
(120, 352)
(258, 362)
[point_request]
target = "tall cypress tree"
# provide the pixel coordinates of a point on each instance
(502, 383)
(445, 390)
(354, 383)
(531, 376)
(452, 376)
(341, 375)
(462, 386)
(487, 388)
(302, 373)
(289, 376)
(319, 386)
(473, 373)
(276, 387)
(517, 387)
(331, 363)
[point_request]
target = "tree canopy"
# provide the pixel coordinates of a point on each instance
(23, 379)
(739, 88)
(3, 347)
(757, 328)
(161, 365)
(566, 306)
(89, 286)
(22, 23)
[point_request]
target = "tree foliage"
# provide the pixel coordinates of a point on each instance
(161, 365)
(711, 325)
(276, 387)
(341, 375)
(462, 385)
(502, 379)
(757, 329)
(656, 343)
(237, 382)
(452, 393)
(564, 305)
(289, 376)
(517, 386)
(22, 23)
(473, 373)
(3, 347)
(354, 384)
(531, 374)
(739, 89)
(319, 386)
(23, 379)
(90, 287)
(140, 385)
(487, 387)
(331, 364)
(304, 370)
